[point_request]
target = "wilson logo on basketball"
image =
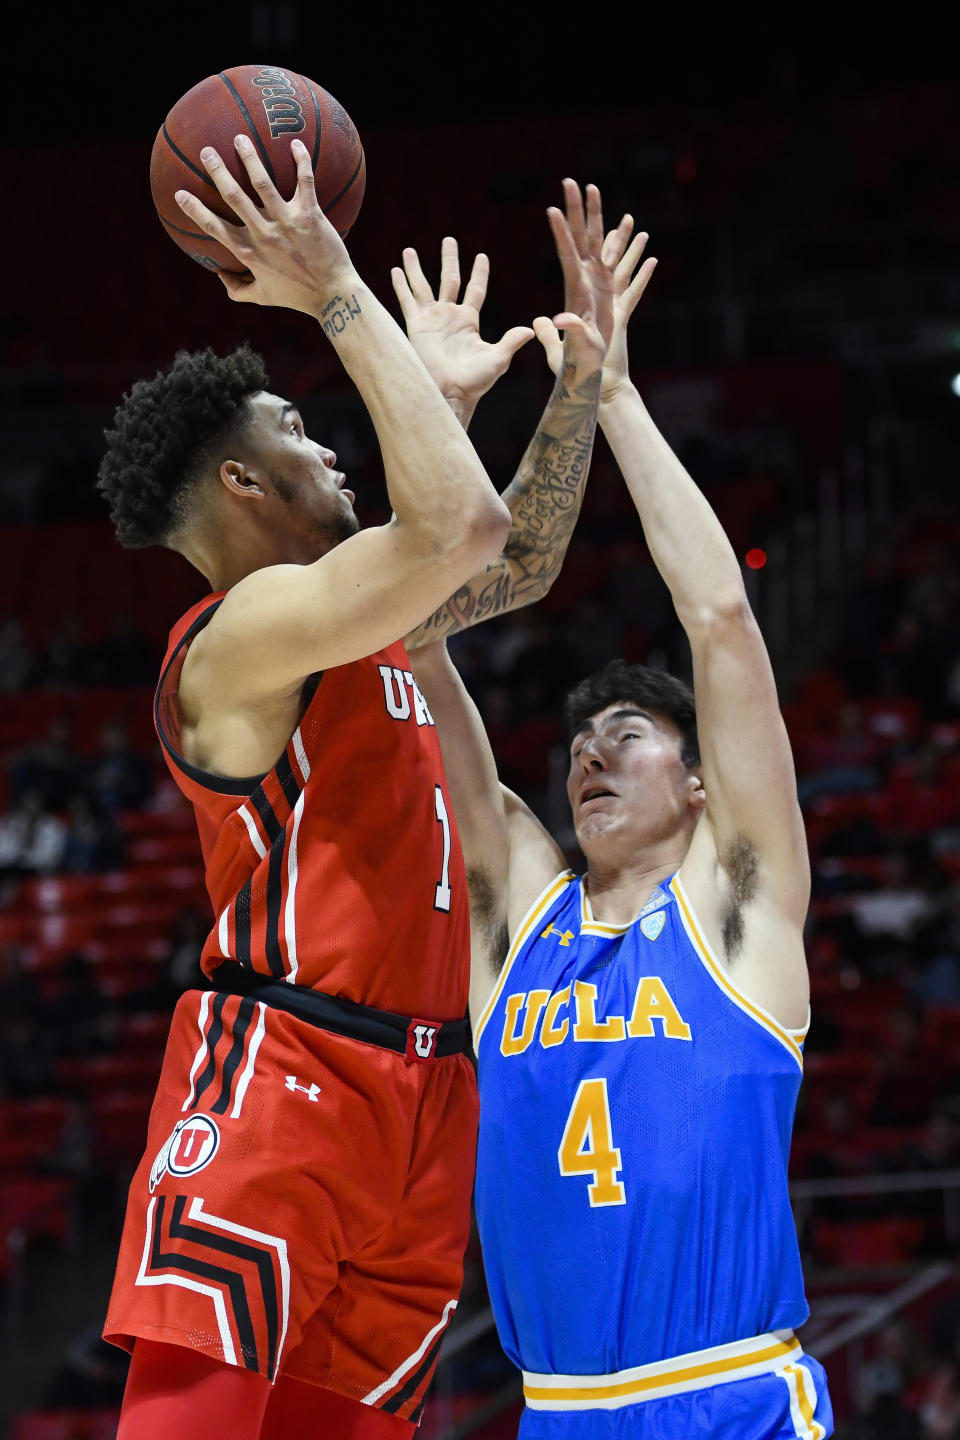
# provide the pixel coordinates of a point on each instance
(190, 1148)
(283, 109)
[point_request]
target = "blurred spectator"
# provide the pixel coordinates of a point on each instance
(18, 662)
(181, 964)
(65, 664)
(125, 656)
(49, 765)
(916, 891)
(911, 1076)
(839, 759)
(78, 1018)
(940, 1411)
(91, 1372)
(93, 843)
(886, 1385)
(20, 995)
(119, 777)
(25, 1058)
(72, 1153)
(180, 968)
(31, 839)
(925, 793)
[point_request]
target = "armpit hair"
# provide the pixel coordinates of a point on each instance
(488, 922)
(740, 864)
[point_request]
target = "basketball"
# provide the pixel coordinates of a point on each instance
(273, 106)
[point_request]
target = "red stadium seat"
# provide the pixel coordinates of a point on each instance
(100, 1075)
(98, 1424)
(120, 1124)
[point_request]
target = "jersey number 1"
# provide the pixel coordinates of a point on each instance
(587, 1146)
(441, 895)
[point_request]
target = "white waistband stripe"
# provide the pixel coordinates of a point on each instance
(719, 1365)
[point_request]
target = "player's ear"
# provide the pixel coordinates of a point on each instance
(240, 481)
(696, 795)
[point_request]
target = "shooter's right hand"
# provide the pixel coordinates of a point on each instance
(293, 254)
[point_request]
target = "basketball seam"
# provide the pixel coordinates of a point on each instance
(189, 163)
(191, 234)
(255, 133)
(318, 117)
(330, 203)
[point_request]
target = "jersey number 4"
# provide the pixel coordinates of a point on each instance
(587, 1146)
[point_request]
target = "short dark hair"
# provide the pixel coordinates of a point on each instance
(165, 430)
(638, 685)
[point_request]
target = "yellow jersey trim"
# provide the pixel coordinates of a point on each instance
(590, 926)
(542, 903)
(786, 1038)
(719, 1365)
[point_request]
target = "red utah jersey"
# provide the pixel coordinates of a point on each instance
(341, 868)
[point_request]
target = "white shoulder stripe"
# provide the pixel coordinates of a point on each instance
(253, 832)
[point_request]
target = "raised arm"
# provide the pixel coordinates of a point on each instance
(545, 494)
(447, 519)
(509, 856)
(747, 869)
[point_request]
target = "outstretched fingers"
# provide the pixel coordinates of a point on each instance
(549, 337)
(270, 200)
(513, 340)
(476, 291)
(416, 280)
(616, 242)
(594, 224)
(449, 287)
(408, 305)
(630, 260)
(628, 300)
(567, 251)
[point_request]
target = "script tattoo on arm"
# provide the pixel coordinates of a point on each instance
(544, 497)
(337, 314)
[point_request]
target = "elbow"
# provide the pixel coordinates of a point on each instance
(725, 611)
(484, 531)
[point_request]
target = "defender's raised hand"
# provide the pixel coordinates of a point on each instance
(294, 256)
(587, 316)
(620, 257)
(445, 330)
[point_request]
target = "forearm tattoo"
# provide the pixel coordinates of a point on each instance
(544, 498)
(337, 314)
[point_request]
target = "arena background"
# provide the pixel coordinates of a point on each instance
(798, 346)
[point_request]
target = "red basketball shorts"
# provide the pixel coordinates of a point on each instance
(303, 1205)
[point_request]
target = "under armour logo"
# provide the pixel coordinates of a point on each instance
(311, 1091)
(564, 936)
(421, 1040)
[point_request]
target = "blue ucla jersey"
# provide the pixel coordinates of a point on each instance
(635, 1123)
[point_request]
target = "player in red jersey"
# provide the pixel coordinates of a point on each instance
(294, 1235)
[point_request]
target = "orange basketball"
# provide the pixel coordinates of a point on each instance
(273, 106)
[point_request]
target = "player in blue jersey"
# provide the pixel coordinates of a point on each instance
(639, 1028)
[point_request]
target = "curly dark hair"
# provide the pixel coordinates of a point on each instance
(637, 685)
(165, 431)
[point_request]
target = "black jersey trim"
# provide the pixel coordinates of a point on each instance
(220, 783)
(412, 1384)
(232, 1063)
(212, 1040)
(341, 1017)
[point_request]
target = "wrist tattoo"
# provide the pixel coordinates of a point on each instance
(337, 314)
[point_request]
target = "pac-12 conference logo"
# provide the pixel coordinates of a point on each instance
(190, 1148)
